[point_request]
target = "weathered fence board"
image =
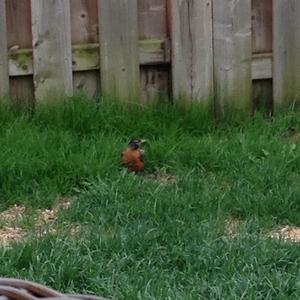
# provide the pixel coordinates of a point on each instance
(261, 26)
(86, 57)
(118, 26)
(262, 66)
(85, 38)
(84, 21)
(154, 75)
(286, 52)
(22, 89)
(263, 96)
(192, 55)
(152, 19)
(19, 23)
(262, 60)
(19, 36)
(4, 81)
(155, 82)
(51, 47)
(87, 82)
(232, 54)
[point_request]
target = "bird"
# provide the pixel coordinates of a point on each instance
(132, 156)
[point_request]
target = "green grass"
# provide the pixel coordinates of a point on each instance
(140, 238)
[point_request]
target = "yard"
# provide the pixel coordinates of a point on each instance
(214, 216)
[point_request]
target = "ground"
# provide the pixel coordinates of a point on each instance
(214, 215)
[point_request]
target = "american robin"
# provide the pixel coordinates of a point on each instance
(132, 156)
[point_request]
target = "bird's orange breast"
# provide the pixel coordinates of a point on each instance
(132, 159)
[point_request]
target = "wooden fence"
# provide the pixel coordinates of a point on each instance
(229, 53)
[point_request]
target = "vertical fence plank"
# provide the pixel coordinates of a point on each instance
(261, 26)
(4, 81)
(84, 30)
(84, 21)
(152, 19)
(118, 26)
(154, 83)
(18, 16)
(192, 55)
(51, 47)
(286, 52)
(232, 54)
(19, 36)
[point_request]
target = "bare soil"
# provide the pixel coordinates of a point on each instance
(12, 232)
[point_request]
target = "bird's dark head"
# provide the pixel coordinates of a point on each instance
(136, 143)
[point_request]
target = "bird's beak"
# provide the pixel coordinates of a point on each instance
(143, 141)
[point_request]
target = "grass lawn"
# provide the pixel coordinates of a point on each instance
(197, 229)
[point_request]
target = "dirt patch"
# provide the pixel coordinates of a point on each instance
(63, 203)
(287, 233)
(44, 221)
(232, 226)
(163, 177)
(9, 235)
(75, 230)
(12, 214)
(46, 217)
(10, 232)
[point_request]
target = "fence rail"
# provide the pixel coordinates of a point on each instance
(230, 54)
